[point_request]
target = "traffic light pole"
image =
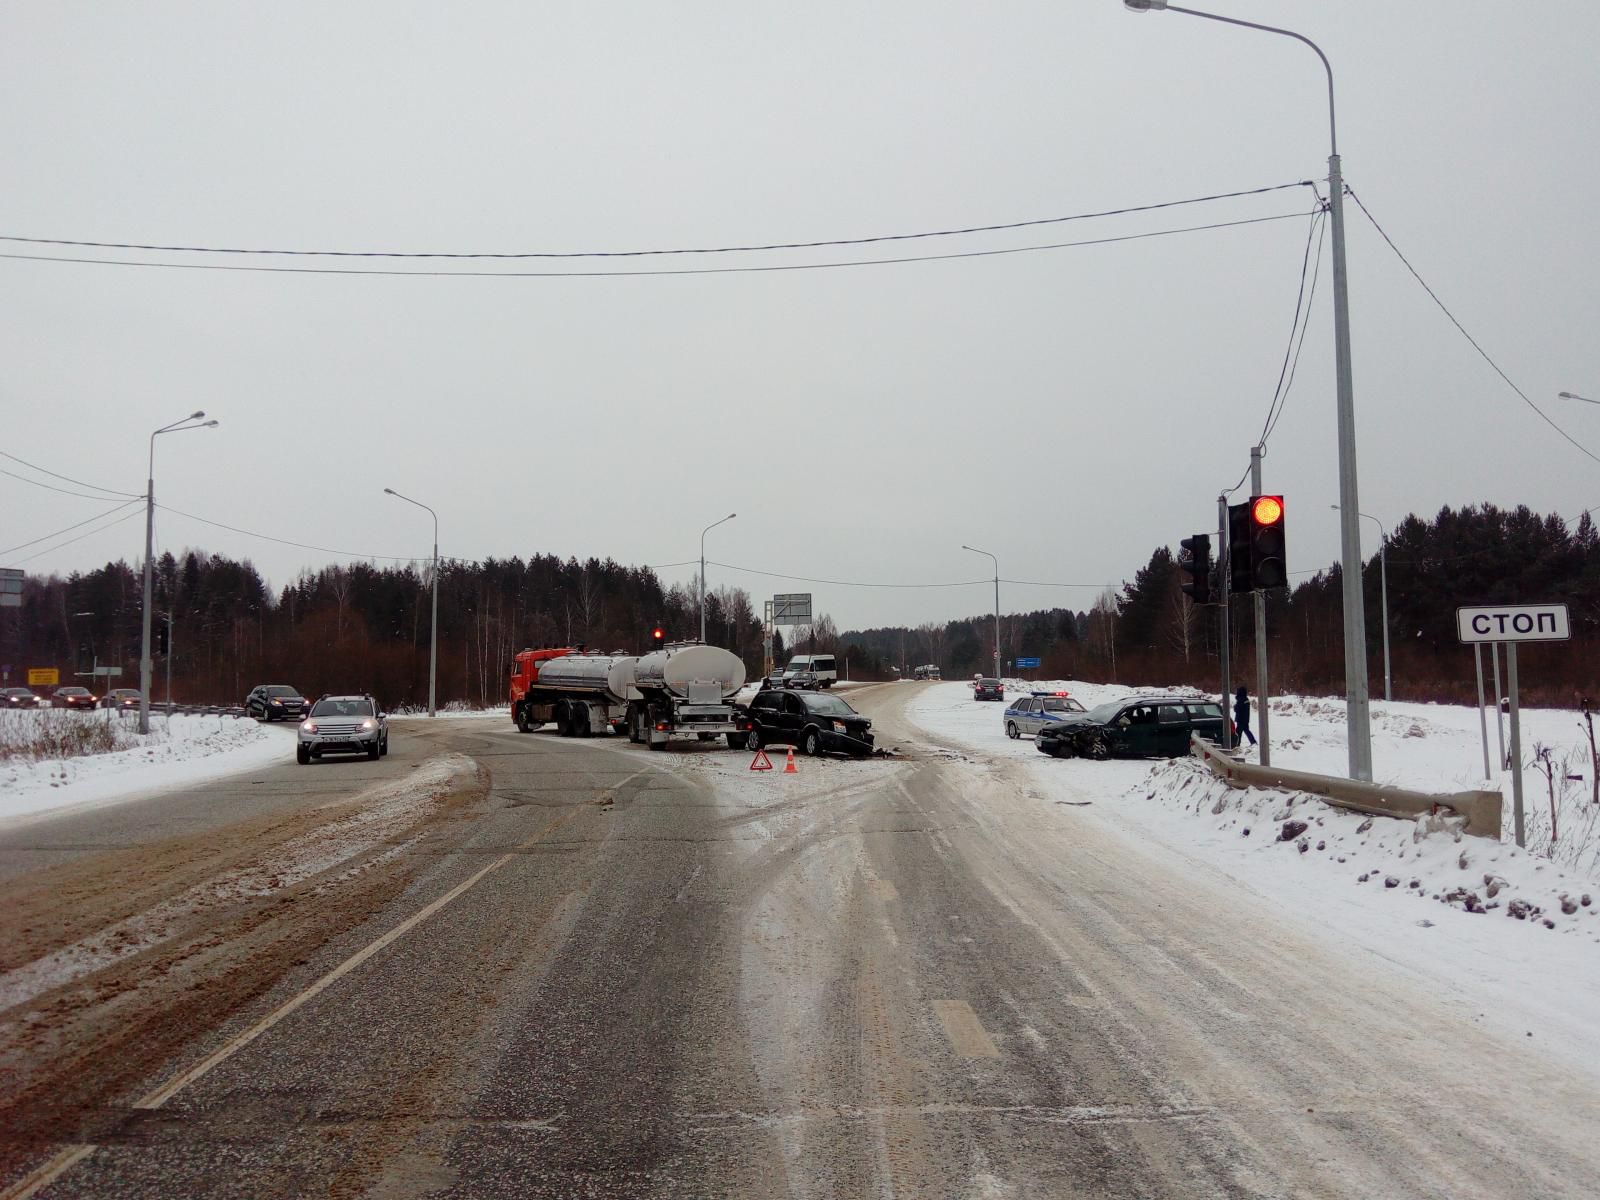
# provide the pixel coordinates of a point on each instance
(1261, 633)
(1227, 677)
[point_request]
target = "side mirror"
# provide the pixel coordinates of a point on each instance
(383, 716)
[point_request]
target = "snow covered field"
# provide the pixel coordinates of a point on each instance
(1441, 908)
(178, 751)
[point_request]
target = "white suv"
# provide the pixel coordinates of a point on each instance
(343, 725)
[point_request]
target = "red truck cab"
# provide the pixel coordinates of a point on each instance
(525, 670)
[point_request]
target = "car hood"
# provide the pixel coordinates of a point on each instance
(1073, 721)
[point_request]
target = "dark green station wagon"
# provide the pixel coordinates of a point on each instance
(1137, 727)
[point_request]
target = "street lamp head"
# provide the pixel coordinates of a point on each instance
(389, 492)
(731, 516)
(198, 415)
(1144, 5)
(211, 424)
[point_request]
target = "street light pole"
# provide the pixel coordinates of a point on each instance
(433, 622)
(1358, 718)
(195, 420)
(1575, 396)
(1383, 575)
(996, 561)
(703, 533)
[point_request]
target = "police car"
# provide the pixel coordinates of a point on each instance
(1033, 713)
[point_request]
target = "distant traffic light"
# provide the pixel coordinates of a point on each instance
(1194, 559)
(658, 635)
(163, 639)
(1267, 559)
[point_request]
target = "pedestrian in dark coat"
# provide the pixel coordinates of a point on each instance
(1241, 717)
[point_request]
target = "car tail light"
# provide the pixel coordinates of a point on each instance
(661, 726)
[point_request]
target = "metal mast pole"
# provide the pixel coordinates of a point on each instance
(1265, 754)
(1226, 581)
(1383, 569)
(149, 583)
(703, 533)
(1358, 718)
(433, 628)
(996, 562)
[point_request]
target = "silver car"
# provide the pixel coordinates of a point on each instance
(343, 725)
(1033, 713)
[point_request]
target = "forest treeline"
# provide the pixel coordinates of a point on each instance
(365, 627)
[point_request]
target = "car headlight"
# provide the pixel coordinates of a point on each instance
(277, 704)
(369, 724)
(839, 727)
(308, 727)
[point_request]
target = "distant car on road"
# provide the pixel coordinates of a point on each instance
(814, 721)
(819, 670)
(1137, 727)
(343, 725)
(20, 697)
(120, 698)
(274, 702)
(73, 697)
(1032, 713)
(984, 688)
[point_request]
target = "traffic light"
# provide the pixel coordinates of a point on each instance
(1267, 560)
(658, 635)
(1256, 545)
(1194, 559)
(163, 643)
(1238, 549)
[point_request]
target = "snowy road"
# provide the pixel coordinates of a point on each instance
(588, 970)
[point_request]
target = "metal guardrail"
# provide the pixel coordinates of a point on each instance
(1480, 808)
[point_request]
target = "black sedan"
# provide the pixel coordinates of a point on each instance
(1138, 727)
(988, 689)
(816, 722)
(19, 697)
(275, 702)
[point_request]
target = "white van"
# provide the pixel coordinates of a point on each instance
(823, 668)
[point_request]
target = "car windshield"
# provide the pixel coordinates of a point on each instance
(279, 689)
(72, 691)
(342, 708)
(828, 706)
(1105, 712)
(1060, 704)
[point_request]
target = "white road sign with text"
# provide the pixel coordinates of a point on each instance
(1513, 623)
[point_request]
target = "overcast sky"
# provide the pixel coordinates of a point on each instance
(1067, 409)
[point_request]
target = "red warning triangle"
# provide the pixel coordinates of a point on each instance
(761, 762)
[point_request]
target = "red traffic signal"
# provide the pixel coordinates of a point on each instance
(1267, 510)
(657, 634)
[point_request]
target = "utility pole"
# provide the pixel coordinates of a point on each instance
(1225, 579)
(1261, 633)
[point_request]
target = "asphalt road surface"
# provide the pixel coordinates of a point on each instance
(513, 965)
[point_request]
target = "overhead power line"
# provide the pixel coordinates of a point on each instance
(732, 249)
(1484, 354)
(50, 487)
(87, 533)
(616, 274)
(68, 479)
(872, 584)
(267, 537)
(1301, 322)
(115, 508)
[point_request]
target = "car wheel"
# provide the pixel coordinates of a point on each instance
(811, 743)
(373, 751)
(302, 755)
(1099, 750)
(752, 740)
(1012, 731)
(383, 746)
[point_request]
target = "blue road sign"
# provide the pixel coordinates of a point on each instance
(1027, 662)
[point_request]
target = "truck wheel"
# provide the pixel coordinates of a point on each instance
(522, 718)
(580, 720)
(812, 743)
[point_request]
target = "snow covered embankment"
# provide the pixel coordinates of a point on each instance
(177, 752)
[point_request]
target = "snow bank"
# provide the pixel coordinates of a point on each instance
(1501, 932)
(179, 751)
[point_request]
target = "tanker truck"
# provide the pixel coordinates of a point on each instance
(683, 688)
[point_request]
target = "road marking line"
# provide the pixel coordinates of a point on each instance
(48, 1173)
(965, 1031)
(231, 1047)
